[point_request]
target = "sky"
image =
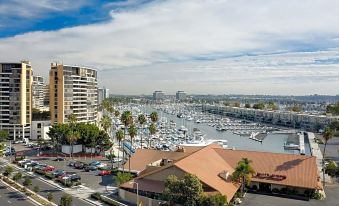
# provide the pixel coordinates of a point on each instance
(283, 47)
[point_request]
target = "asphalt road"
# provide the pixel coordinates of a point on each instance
(10, 197)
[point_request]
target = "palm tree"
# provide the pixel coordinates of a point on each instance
(142, 120)
(133, 131)
(243, 173)
(72, 137)
(328, 134)
(116, 113)
(127, 119)
(119, 135)
(152, 131)
(106, 123)
(154, 117)
(72, 120)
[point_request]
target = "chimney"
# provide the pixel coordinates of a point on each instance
(224, 174)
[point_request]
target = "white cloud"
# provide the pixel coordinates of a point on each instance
(160, 33)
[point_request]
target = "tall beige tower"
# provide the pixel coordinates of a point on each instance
(73, 90)
(16, 98)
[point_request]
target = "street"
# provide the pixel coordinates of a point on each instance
(10, 197)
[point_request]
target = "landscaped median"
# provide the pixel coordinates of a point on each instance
(105, 200)
(27, 191)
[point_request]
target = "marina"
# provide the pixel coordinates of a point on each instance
(182, 125)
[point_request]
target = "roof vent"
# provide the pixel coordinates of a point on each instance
(224, 174)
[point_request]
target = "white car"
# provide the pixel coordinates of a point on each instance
(101, 165)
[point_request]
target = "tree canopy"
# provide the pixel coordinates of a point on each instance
(333, 108)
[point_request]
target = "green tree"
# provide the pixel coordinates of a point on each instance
(152, 131)
(259, 105)
(331, 168)
(126, 119)
(50, 196)
(328, 134)
(116, 113)
(36, 188)
(72, 138)
(243, 173)
(27, 182)
(2, 148)
(3, 135)
(132, 131)
(121, 178)
(58, 133)
(8, 170)
(17, 176)
(333, 108)
(295, 108)
(236, 104)
(213, 200)
(187, 191)
(247, 105)
(106, 123)
(142, 120)
(119, 135)
(66, 200)
(154, 117)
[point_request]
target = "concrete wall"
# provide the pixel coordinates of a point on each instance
(67, 149)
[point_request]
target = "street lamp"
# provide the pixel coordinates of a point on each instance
(137, 190)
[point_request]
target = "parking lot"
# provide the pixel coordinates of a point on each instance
(89, 179)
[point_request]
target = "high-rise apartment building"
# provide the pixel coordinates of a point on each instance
(158, 95)
(103, 93)
(16, 98)
(38, 92)
(46, 95)
(181, 95)
(73, 90)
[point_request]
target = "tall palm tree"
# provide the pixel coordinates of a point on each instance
(119, 135)
(328, 134)
(132, 131)
(142, 120)
(127, 119)
(72, 120)
(152, 131)
(106, 123)
(243, 173)
(154, 117)
(116, 113)
(72, 137)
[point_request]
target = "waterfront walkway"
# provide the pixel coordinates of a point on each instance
(315, 151)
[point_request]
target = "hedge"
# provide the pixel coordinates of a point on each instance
(103, 199)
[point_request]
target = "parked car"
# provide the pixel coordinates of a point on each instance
(58, 173)
(79, 165)
(98, 164)
(75, 177)
(105, 172)
(66, 175)
(90, 168)
(48, 168)
(24, 161)
(71, 163)
(59, 159)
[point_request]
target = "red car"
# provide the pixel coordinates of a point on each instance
(105, 172)
(48, 168)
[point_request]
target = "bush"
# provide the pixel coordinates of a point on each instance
(49, 176)
(40, 172)
(123, 177)
(36, 189)
(96, 196)
(8, 171)
(50, 196)
(66, 200)
(317, 195)
(108, 201)
(27, 182)
(17, 176)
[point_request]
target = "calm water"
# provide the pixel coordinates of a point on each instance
(272, 143)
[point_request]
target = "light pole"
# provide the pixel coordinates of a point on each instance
(137, 191)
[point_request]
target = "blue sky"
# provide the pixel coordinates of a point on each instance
(201, 46)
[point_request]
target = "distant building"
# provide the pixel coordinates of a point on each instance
(16, 98)
(158, 95)
(73, 90)
(46, 96)
(181, 95)
(38, 92)
(103, 93)
(39, 130)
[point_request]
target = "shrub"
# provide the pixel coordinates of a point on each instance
(317, 195)
(66, 200)
(27, 182)
(36, 189)
(49, 176)
(50, 196)
(123, 177)
(96, 196)
(40, 172)
(17, 176)
(8, 171)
